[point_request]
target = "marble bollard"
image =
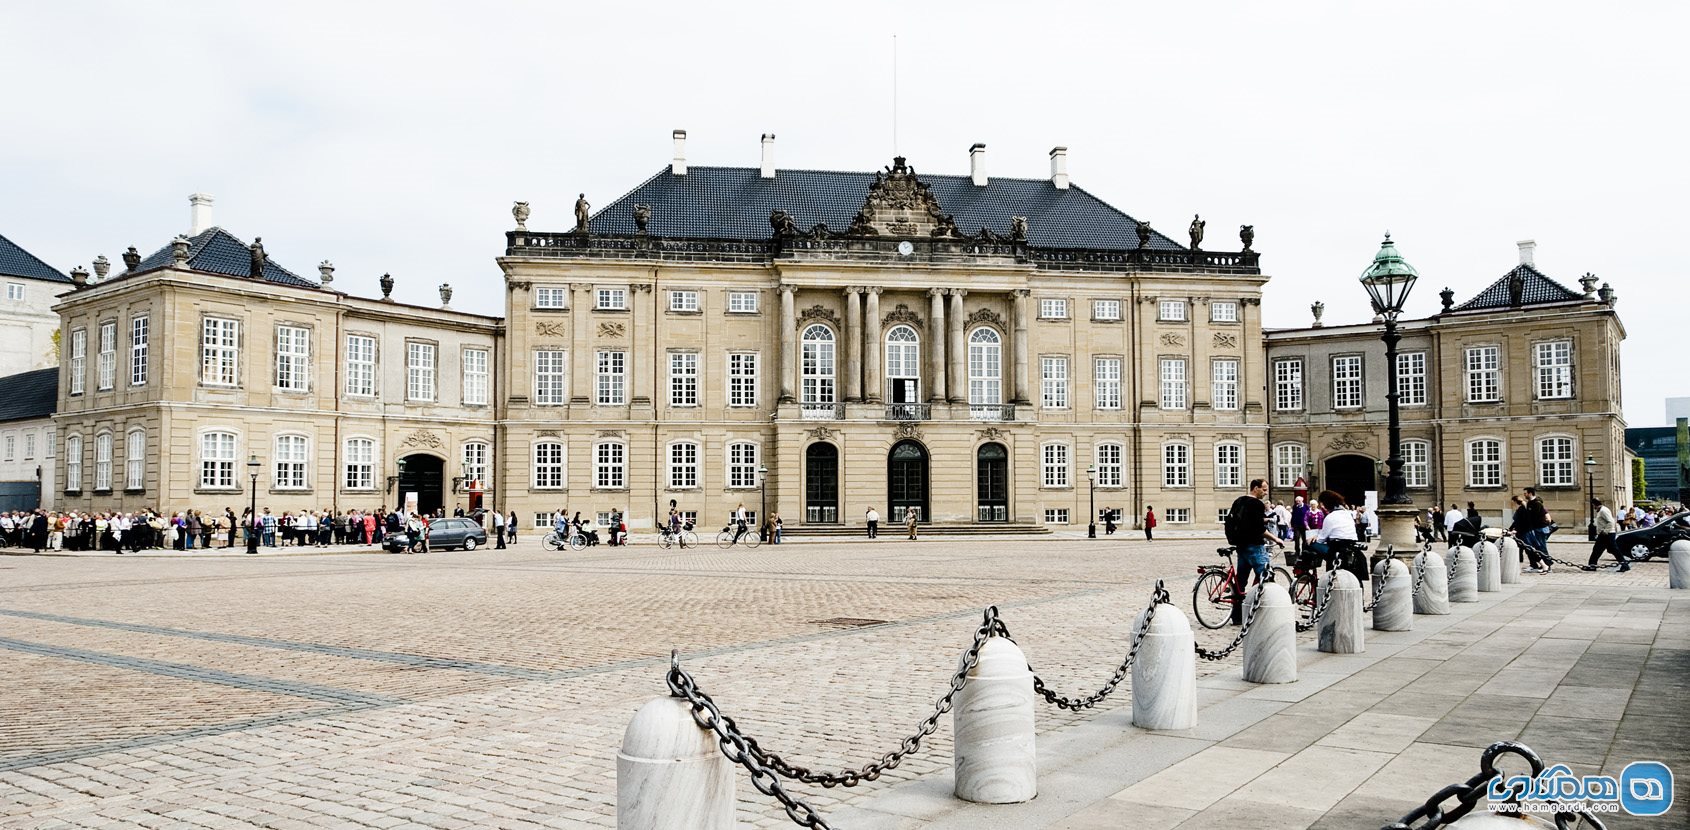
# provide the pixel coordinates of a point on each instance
(670, 775)
(1510, 561)
(1270, 649)
(1490, 567)
(1464, 576)
(1678, 565)
(1394, 610)
(1165, 673)
(994, 761)
(1340, 627)
(1433, 596)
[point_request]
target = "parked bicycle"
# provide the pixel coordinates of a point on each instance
(683, 537)
(1212, 597)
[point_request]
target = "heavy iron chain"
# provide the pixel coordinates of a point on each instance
(1320, 607)
(1419, 576)
(1434, 813)
(1249, 617)
(1384, 575)
(1454, 557)
(1159, 596)
(1543, 554)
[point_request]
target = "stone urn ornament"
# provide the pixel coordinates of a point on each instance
(325, 271)
(519, 211)
(445, 294)
(102, 267)
(1319, 308)
(179, 249)
(79, 276)
(131, 258)
(387, 287)
(1247, 235)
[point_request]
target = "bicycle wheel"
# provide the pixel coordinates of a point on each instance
(1303, 588)
(689, 539)
(550, 542)
(1282, 576)
(664, 540)
(1208, 600)
(751, 539)
(724, 540)
(578, 542)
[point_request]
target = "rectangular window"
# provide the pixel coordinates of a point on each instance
(1484, 463)
(220, 351)
(1555, 462)
(1172, 311)
(73, 463)
(1056, 515)
(290, 462)
(1054, 383)
(14, 291)
(683, 379)
(742, 379)
(742, 302)
(1288, 384)
(549, 387)
(1108, 373)
(1484, 374)
(419, 371)
(1411, 379)
(683, 301)
(1173, 383)
(293, 358)
(1106, 310)
(29, 445)
(1289, 463)
(551, 296)
(683, 465)
(612, 299)
(1178, 515)
(108, 355)
(548, 465)
(1176, 465)
(611, 470)
(1223, 312)
(1224, 385)
(612, 378)
(1552, 363)
(134, 460)
(217, 461)
(78, 359)
(1229, 465)
(1109, 465)
(1053, 308)
(475, 462)
(1346, 381)
(360, 365)
(475, 377)
(138, 332)
(102, 462)
(1416, 467)
(11, 443)
(742, 465)
(1056, 465)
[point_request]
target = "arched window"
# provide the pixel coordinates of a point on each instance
(683, 465)
(102, 461)
(360, 459)
(548, 465)
(217, 461)
(817, 385)
(73, 462)
(1108, 465)
(290, 462)
(135, 458)
(903, 365)
(985, 368)
(1555, 461)
(610, 469)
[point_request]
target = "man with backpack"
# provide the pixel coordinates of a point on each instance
(1248, 530)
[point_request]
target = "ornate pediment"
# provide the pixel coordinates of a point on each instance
(818, 312)
(899, 204)
(902, 314)
(985, 315)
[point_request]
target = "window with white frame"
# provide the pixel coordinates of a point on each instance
(1288, 384)
(1484, 374)
(548, 465)
(11, 443)
(1416, 463)
(1056, 515)
(14, 290)
(102, 462)
(139, 326)
(1290, 461)
(1108, 465)
(1223, 311)
(1229, 465)
(290, 463)
(1484, 463)
(1555, 461)
(742, 464)
(742, 379)
(1053, 308)
(817, 357)
(217, 461)
(360, 464)
(29, 445)
(549, 388)
(1106, 373)
(108, 355)
(476, 454)
(1346, 381)
(419, 371)
(551, 296)
(985, 367)
(73, 462)
(360, 365)
(1176, 465)
(611, 299)
(683, 465)
(1552, 365)
(683, 378)
(612, 377)
(610, 469)
(1106, 310)
(1171, 311)
(1411, 379)
(220, 351)
(1173, 382)
(1223, 385)
(903, 365)
(476, 377)
(135, 460)
(1053, 382)
(50, 442)
(1177, 515)
(78, 359)
(685, 302)
(1056, 465)
(742, 302)
(293, 358)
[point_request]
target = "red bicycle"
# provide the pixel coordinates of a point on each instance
(1212, 598)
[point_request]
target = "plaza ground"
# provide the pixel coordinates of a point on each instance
(490, 689)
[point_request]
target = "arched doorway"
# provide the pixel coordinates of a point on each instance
(1350, 476)
(991, 483)
(906, 481)
(424, 475)
(821, 483)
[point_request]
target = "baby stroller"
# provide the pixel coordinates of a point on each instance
(1467, 532)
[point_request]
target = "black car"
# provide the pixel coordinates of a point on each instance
(1638, 545)
(443, 534)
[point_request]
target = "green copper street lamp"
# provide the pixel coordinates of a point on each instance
(1388, 281)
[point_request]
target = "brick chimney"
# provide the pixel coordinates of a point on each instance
(768, 171)
(977, 164)
(199, 212)
(1059, 167)
(679, 165)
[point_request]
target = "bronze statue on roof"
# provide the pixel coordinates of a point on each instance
(256, 268)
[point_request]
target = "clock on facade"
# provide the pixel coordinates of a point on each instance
(905, 248)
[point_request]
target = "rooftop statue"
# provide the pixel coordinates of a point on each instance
(582, 212)
(1196, 232)
(256, 268)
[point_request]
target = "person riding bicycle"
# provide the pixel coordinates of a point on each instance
(674, 518)
(1247, 529)
(739, 522)
(560, 524)
(1338, 539)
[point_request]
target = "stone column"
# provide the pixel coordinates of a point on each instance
(641, 317)
(936, 345)
(871, 345)
(853, 364)
(788, 343)
(958, 384)
(580, 345)
(1023, 378)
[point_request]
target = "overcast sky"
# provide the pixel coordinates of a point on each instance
(394, 137)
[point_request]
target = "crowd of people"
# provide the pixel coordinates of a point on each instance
(186, 530)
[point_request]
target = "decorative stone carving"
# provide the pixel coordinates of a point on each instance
(817, 312)
(521, 285)
(1018, 228)
(547, 433)
(387, 287)
(445, 294)
(1586, 282)
(131, 258)
(1348, 441)
(783, 223)
(907, 429)
(1171, 339)
(519, 212)
(899, 204)
(985, 315)
(1195, 231)
(325, 271)
(423, 438)
(102, 266)
(79, 275)
(612, 433)
(1225, 340)
(1143, 229)
(1318, 308)
(1247, 235)
(991, 434)
(902, 314)
(612, 329)
(1447, 298)
(821, 433)
(642, 217)
(545, 329)
(582, 212)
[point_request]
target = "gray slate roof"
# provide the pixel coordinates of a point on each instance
(217, 251)
(735, 202)
(29, 395)
(17, 262)
(1538, 289)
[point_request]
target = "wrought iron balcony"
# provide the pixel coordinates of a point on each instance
(908, 412)
(991, 412)
(822, 411)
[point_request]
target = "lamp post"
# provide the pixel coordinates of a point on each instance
(763, 509)
(252, 525)
(1388, 281)
(1590, 496)
(1091, 502)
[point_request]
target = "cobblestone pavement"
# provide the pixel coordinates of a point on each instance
(490, 689)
